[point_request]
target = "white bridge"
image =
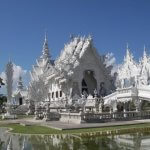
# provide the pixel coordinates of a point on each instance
(128, 94)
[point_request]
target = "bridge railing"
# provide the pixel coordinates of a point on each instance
(118, 116)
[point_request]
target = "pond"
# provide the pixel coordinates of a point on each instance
(136, 141)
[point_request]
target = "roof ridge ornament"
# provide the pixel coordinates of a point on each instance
(45, 50)
(144, 52)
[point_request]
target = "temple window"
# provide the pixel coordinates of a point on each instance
(20, 101)
(84, 86)
(57, 94)
(60, 93)
(52, 94)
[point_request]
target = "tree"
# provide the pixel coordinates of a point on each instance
(1, 82)
(3, 99)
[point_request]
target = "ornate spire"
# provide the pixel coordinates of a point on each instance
(45, 50)
(144, 52)
(128, 56)
(20, 84)
(127, 50)
(9, 80)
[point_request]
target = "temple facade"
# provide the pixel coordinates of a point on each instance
(20, 94)
(133, 85)
(78, 70)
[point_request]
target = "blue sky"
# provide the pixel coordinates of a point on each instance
(112, 23)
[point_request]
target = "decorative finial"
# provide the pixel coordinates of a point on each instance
(45, 50)
(95, 93)
(127, 50)
(144, 48)
(127, 46)
(90, 37)
(71, 36)
(20, 83)
(46, 37)
(144, 52)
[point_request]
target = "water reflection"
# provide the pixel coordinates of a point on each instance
(138, 141)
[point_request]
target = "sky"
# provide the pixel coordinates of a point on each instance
(112, 24)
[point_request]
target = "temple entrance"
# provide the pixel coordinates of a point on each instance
(20, 101)
(89, 83)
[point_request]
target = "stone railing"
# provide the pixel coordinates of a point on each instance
(79, 118)
(45, 114)
(76, 118)
(110, 96)
(105, 117)
(125, 90)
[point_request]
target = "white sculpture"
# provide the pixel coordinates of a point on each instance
(9, 81)
(132, 73)
(37, 90)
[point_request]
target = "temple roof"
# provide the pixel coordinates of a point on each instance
(70, 57)
(43, 63)
(72, 53)
(23, 93)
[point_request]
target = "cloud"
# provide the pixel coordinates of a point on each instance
(18, 71)
(110, 60)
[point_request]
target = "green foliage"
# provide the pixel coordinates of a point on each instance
(2, 99)
(1, 82)
(1, 144)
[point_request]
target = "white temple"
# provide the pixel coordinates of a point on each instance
(20, 94)
(79, 69)
(133, 84)
(80, 73)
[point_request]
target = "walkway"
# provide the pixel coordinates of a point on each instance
(65, 126)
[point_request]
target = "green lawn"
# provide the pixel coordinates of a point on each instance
(24, 116)
(35, 129)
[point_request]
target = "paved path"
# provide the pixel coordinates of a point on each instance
(65, 126)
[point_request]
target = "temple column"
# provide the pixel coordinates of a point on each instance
(114, 108)
(124, 110)
(137, 105)
(98, 86)
(110, 111)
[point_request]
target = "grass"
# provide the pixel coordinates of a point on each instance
(35, 129)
